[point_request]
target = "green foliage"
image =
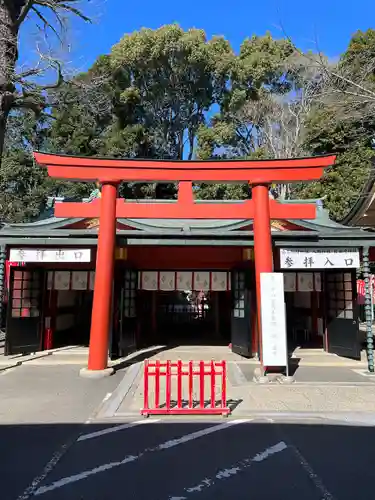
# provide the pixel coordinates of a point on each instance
(341, 184)
(170, 79)
(360, 55)
(352, 140)
(258, 71)
(22, 188)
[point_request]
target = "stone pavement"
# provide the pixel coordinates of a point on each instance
(71, 355)
(322, 383)
(39, 394)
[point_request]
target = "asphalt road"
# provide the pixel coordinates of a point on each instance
(225, 459)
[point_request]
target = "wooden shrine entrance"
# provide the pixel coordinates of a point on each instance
(110, 172)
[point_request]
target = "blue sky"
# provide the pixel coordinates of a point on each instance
(328, 22)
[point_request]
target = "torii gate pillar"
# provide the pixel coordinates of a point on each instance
(102, 302)
(262, 248)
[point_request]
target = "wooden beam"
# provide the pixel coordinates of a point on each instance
(253, 175)
(252, 171)
(186, 210)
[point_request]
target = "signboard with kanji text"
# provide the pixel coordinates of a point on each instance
(316, 258)
(273, 319)
(49, 255)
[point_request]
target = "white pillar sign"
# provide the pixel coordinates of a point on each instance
(273, 319)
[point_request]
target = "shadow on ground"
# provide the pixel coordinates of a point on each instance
(317, 460)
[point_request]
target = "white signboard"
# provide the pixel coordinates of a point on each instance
(273, 319)
(315, 258)
(48, 255)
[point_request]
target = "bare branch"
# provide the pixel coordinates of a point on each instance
(47, 24)
(24, 12)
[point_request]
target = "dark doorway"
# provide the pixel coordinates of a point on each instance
(304, 323)
(241, 313)
(184, 317)
(72, 318)
(125, 305)
(23, 329)
(342, 314)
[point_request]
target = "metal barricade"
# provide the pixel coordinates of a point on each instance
(175, 374)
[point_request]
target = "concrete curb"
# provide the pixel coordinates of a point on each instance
(10, 366)
(361, 418)
(110, 406)
(341, 418)
(14, 362)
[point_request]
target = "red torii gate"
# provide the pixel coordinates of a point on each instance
(110, 172)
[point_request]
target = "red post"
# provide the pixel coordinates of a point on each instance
(157, 384)
(102, 302)
(262, 245)
(48, 344)
(179, 384)
(191, 384)
(168, 386)
(223, 384)
(145, 388)
(213, 401)
(201, 384)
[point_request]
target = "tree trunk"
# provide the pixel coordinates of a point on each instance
(5, 107)
(9, 13)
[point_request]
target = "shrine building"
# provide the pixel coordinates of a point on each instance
(121, 275)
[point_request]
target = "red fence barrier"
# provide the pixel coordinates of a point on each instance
(175, 373)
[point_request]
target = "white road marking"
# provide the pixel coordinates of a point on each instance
(115, 428)
(326, 495)
(131, 458)
(231, 471)
(56, 457)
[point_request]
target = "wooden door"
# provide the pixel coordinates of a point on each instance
(342, 314)
(241, 308)
(24, 315)
(124, 338)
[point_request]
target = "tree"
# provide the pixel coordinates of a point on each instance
(342, 121)
(160, 85)
(352, 140)
(263, 112)
(174, 77)
(19, 90)
(257, 74)
(24, 186)
(350, 83)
